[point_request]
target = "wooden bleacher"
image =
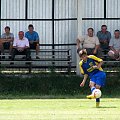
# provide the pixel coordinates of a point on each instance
(57, 59)
(110, 65)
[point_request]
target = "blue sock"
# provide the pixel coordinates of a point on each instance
(93, 88)
(97, 99)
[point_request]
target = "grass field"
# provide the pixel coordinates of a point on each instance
(59, 109)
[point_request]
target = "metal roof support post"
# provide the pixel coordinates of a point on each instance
(79, 22)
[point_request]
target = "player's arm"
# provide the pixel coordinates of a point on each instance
(83, 72)
(84, 80)
(98, 60)
(98, 65)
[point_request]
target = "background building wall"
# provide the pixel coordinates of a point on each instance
(18, 15)
(99, 12)
(59, 21)
(54, 20)
(96, 13)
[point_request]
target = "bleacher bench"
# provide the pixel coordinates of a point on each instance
(49, 59)
(109, 64)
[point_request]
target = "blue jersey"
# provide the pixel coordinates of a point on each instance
(86, 67)
(32, 36)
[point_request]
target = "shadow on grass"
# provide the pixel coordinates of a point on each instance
(107, 107)
(37, 96)
(11, 96)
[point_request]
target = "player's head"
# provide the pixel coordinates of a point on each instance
(83, 54)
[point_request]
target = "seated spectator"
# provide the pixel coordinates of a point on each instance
(114, 44)
(104, 37)
(89, 42)
(6, 40)
(33, 38)
(21, 46)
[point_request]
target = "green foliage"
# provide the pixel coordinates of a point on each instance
(40, 85)
(53, 85)
(112, 84)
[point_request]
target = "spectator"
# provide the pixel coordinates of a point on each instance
(21, 46)
(33, 38)
(6, 40)
(104, 37)
(89, 42)
(114, 44)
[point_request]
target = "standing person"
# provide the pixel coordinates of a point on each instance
(6, 40)
(33, 38)
(114, 45)
(21, 46)
(104, 37)
(90, 65)
(89, 42)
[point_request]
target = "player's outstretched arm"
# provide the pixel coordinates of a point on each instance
(84, 80)
(98, 66)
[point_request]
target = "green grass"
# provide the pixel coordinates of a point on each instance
(59, 109)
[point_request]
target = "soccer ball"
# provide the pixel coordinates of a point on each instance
(97, 93)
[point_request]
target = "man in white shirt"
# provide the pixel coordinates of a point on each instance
(21, 46)
(89, 42)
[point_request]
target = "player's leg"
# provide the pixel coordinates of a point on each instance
(97, 99)
(100, 82)
(92, 87)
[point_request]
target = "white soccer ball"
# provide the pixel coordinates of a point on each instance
(97, 93)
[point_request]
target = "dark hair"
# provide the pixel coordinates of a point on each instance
(30, 25)
(104, 26)
(7, 27)
(82, 52)
(116, 31)
(90, 29)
